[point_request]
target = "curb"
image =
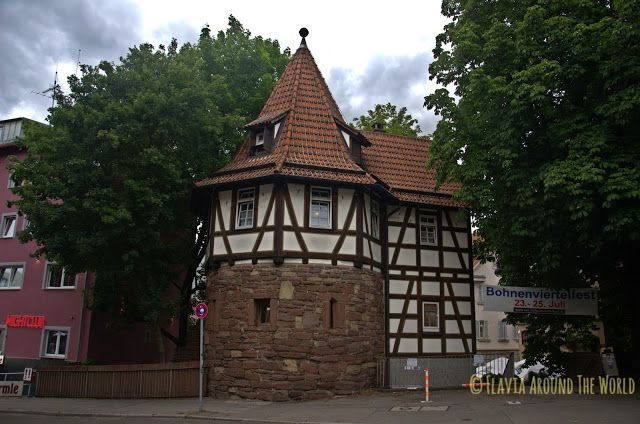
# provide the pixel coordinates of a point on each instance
(191, 416)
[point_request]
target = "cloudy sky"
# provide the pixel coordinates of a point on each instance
(368, 52)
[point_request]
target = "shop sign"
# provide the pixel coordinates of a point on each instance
(25, 321)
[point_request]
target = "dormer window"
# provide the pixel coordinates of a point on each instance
(260, 139)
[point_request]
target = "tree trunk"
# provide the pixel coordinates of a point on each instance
(160, 341)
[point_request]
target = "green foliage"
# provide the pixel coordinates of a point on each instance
(397, 122)
(110, 180)
(543, 134)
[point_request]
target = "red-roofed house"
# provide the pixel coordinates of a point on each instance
(331, 253)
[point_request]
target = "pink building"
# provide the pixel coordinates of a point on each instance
(43, 319)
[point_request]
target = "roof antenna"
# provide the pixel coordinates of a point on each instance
(303, 33)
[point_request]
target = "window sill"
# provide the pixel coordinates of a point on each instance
(10, 288)
(54, 356)
(483, 340)
(8, 237)
(60, 288)
(431, 330)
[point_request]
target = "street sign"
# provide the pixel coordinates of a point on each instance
(28, 373)
(201, 310)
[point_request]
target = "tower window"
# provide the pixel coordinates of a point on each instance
(320, 208)
(245, 208)
(428, 233)
(262, 310)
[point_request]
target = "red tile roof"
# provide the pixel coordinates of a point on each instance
(310, 144)
(401, 163)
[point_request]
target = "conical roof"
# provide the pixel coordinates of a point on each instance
(310, 144)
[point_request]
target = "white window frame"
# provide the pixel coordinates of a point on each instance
(375, 226)
(423, 239)
(11, 183)
(47, 278)
(43, 343)
(14, 265)
(431, 328)
(320, 200)
(502, 331)
(515, 334)
(2, 225)
(250, 203)
(482, 330)
(260, 138)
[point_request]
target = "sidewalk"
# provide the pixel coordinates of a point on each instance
(377, 407)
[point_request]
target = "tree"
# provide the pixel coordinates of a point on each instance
(397, 122)
(110, 180)
(542, 133)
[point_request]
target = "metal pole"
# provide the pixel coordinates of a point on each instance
(426, 385)
(201, 358)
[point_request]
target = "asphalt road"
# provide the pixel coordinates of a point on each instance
(48, 419)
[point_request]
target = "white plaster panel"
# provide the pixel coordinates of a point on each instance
(392, 342)
(431, 346)
(409, 236)
(376, 251)
(393, 325)
(430, 288)
(290, 242)
(451, 260)
(394, 271)
(366, 213)
(397, 216)
(396, 305)
(320, 242)
(451, 327)
(224, 197)
(407, 257)
(464, 308)
(448, 308)
(462, 240)
(345, 196)
(447, 240)
(429, 258)
(267, 241)
(412, 273)
(296, 192)
(263, 202)
(413, 307)
(461, 276)
(287, 219)
(292, 261)
(243, 262)
(466, 326)
(264, 261)
(348, 246)
(366, 251)
(410, 326)
(412, 217)
(345, 263)
(242, 242)
(398, 287)
(458, 219)
(460, 289)
(429, 274)
(218, 246)
(392, 234)
(408, 346)
(455, 346)
(320, 261)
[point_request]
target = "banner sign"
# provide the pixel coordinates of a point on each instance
(25, 321)
(11, 388)
(540, 300)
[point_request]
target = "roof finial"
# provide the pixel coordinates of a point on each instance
(303, 33)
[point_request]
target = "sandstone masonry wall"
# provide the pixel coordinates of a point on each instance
(296, 355)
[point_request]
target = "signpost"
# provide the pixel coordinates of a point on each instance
(201, 312)
(540, 300)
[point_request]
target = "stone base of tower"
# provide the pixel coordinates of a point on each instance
(324, 334)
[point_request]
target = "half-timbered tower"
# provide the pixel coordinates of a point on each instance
(330, 251)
